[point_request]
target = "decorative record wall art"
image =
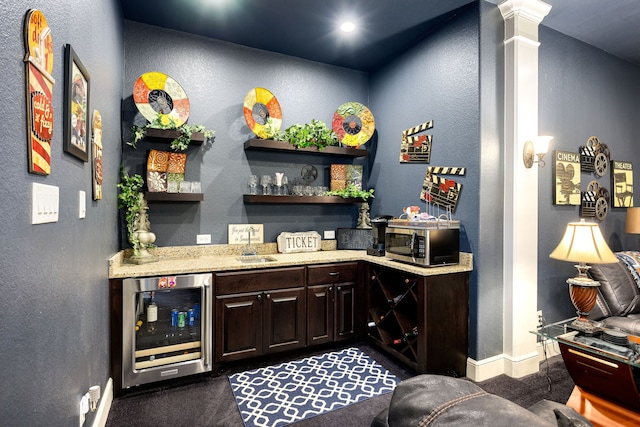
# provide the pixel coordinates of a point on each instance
(39, 84)
(622, 184)
(595, 201)
(439, 191)
(594, 157)
(353, 123)
(261, 111)
(416, 149)
(96, 151)
(566, 178)
(76, 106)
(155, 93)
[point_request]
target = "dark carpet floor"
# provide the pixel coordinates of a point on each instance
(208, 401)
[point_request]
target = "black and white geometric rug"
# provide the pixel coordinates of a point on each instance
(289, 392)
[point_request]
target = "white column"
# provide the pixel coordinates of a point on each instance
(521, 18)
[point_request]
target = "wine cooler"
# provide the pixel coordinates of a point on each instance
(166, 328)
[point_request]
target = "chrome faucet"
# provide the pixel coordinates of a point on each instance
(248, 251)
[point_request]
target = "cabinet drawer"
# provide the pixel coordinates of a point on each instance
(234, 282)
(332, 273)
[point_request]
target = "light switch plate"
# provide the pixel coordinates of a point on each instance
(45, 201)
(329, 234)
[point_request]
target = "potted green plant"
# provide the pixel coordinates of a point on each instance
(314, 134)
(351, 191)
(162, 121)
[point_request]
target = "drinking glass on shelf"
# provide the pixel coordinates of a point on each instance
(253, 185)
(265, 181)
(285, 186)
(278, 181)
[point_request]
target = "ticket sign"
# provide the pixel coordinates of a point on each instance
(306, 241)
(39, 83)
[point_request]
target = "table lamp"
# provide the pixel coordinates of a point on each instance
(583, 243)
(632, 225)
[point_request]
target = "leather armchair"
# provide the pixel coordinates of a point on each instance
(618, 301)
(436, 400)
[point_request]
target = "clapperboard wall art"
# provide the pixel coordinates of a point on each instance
(416, 148)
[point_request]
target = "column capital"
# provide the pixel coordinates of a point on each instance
(533, 10)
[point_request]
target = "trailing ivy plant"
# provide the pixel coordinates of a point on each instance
(314, 134)
(129, 201)
(162, 121)
(351, 191)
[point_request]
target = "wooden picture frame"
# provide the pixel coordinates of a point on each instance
(77, 122)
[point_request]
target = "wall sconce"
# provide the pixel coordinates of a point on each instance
(536, 148)
(583, 243)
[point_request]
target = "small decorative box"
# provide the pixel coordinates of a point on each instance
(158, 161)
(177, 163)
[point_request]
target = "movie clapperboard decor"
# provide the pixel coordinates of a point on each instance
(416, 149)
(594, 157)
(440, 191)
(595, 202)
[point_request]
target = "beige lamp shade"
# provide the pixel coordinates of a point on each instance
(633, 221)
(583, 242)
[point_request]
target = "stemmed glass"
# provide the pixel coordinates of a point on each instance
(265, 181)
(253, 184)
(278, 181)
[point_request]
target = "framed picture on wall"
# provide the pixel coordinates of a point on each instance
(622, 184)
(566, 178)
(76, 106)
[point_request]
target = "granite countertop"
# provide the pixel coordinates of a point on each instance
(211, 258)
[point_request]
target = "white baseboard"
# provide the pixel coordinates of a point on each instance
(102, 413)
(480, 370)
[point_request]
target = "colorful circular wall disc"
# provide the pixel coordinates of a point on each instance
(261, 106)
(353, 123)
(156, 93)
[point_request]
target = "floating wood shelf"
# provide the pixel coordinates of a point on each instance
(152, 196)
(168, 135)
(260, 199)
(272, 145)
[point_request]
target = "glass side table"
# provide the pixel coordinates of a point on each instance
(605, 366)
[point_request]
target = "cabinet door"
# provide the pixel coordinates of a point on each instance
(345, 311)
(238, 326)
(284, 326)
(319, 314)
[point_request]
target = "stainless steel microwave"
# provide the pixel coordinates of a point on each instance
(425, 247)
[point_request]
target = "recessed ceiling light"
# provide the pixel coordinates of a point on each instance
(348, 27)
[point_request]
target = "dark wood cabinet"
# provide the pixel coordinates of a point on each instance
(259, 312)
(331, 300)
(284, 320)
(422, 320)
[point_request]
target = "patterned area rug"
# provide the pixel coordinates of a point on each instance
(289, 392)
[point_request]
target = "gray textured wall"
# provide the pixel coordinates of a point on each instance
(216, 77)
(436, 80)
(54, 305)
(583, 92)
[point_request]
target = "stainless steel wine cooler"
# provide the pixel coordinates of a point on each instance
(166, 328)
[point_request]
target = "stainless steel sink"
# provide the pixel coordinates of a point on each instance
(255, 259)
